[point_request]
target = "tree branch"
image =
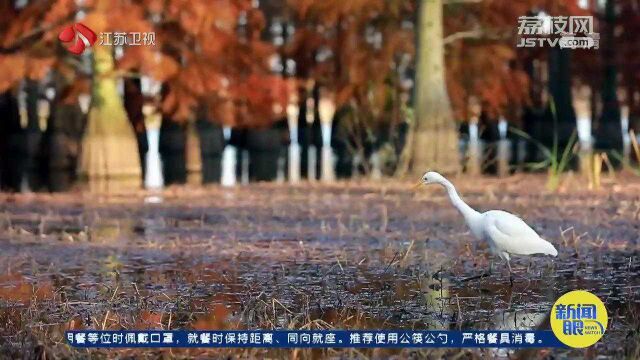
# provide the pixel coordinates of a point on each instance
(470, 34)
(33, 35)
(450, 2)
(477, 34)
(24, 39)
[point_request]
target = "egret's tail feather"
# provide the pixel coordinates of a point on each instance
(550, 249)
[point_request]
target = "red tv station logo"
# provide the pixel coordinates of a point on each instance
(78, 32)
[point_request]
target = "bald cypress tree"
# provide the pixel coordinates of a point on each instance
(109, 146)
(435, 144)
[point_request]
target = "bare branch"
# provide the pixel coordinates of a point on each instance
(478, 34)
(470, 34)
(450, 2)
(28, 38)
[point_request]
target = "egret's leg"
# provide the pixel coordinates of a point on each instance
(492, 258)
(510, 275)
(490, 271)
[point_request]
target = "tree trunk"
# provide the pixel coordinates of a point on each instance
(608, 132)
(304, 132)
(562, 123)
(172, 146)
(133, 104)
(212, 145)
(34, 173)
(192, 154)
(12, 145)
(109, 146)
(61, 143)
(435, 142)
(265, 147)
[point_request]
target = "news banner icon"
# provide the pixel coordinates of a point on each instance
(81, 34)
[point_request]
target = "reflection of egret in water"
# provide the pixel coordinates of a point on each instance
(496, 306)
(434, 288)
(436, 293)
(531, 317)
(492, 307)
(519, 320)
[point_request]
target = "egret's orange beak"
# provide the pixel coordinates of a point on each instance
(416, 186)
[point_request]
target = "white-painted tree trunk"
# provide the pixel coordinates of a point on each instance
(582, 104)
(376, 171)
(328, 171)
(229, 156)
(504, 151)
(294, 163)
(153, 178)
(474, 163)
(245, 167)
(312, 157)
(626, 138)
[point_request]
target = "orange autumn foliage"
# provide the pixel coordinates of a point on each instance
(489, 66)
(217, 51)
(199, 53)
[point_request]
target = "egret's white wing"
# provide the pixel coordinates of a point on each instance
(509, 233)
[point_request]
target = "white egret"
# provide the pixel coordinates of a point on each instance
(506, 233)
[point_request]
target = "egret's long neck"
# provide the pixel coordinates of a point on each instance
(469, 214)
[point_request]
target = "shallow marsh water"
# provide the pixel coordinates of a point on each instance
(346, 256)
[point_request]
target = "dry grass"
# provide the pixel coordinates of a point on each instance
(348, 256)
